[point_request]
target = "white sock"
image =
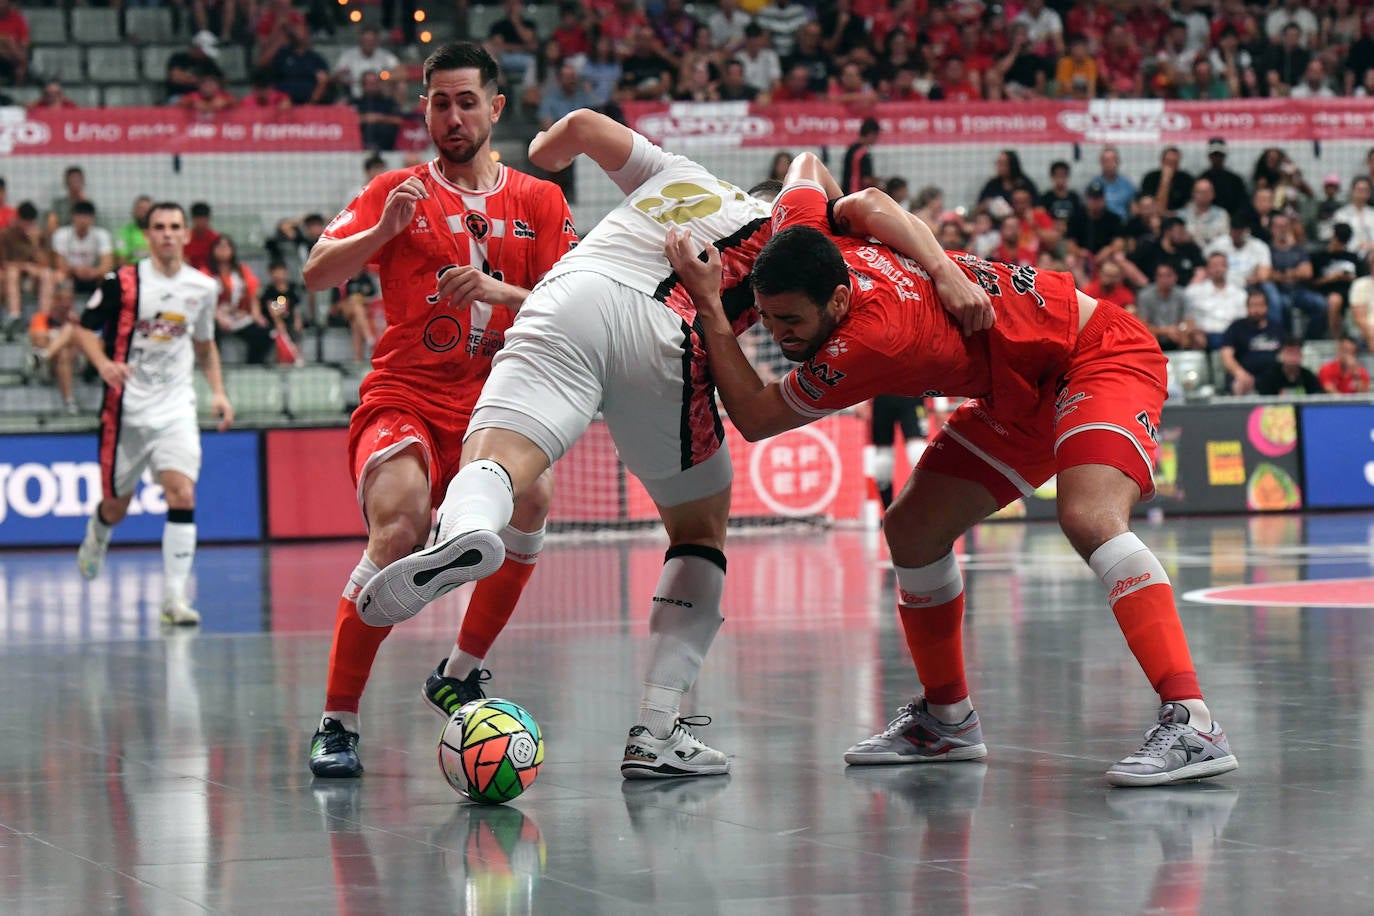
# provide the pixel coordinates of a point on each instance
(1199, 716)
(178, 553)
(682, 625)
(101, 530)
(460, 664)
(360, 576)
(522, 546)
(348, 720)
(480, 496)
(883, 464)
(953, 713)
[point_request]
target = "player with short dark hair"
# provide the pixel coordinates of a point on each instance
(155, 319)
(459, 241)
(1061, 384)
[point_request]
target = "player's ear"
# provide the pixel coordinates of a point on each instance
(498, 105)
(839, 302)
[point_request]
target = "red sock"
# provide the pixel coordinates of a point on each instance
(1149, 620)
(350, 658)
(492, 603)
(935, 638)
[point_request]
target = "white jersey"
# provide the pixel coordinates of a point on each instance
(665, 190)
(82, 251)
(148, 321)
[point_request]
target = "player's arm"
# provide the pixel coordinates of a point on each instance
(756, 410)
(207, 355)
(101, 309)
(335, 260)
(583, 132)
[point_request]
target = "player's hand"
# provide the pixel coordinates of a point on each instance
(115, 374)
(701, 279)
(400, 205)
(463, 285)
(220, 407)
(968, 302)
(1243, 383)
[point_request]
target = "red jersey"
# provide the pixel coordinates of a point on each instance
(515, 232)
(898, 339)
(1354, 382)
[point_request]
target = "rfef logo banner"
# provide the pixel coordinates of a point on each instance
(49, 486)
(1338, 454)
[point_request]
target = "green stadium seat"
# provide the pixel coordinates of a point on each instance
(30, 399)
(62, 62)
(1317, 353)
(314, 391)
(233, 64)
(85, 96)
(155, 59)
(115, 64)
(130, 96)
(95, 25)
(47, 26)
(146, 24)
(255, 391)
(1182, 362)
(13, 355)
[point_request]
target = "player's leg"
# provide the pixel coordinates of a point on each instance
(458, 679)
(545, 387)
(683, 621)
(390, 454)
(12, 300)
(61, 350)
(1104, 453)
(124, 451)
(178, 547)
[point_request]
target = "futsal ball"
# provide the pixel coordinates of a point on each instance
(491, 750)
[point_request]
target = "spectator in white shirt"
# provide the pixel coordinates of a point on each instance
(1291, 12)
(1249, 265)
(1359, 215)
(1313, 84)
(762, 66)
(85, 252)
(783, 19)
(727, 24)
(1204, 219)
(1213, 303)
(1044, 29)
(368, 57)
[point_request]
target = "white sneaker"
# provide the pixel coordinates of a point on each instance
(179, 613)
(403, 588)
(90, 556)
(679, 754)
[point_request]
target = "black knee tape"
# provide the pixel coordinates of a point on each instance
(709, 554)
(181, 516)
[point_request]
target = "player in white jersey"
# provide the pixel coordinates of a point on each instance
(154, 320)
(610, 327)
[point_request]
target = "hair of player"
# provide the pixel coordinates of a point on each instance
(199, 209)
(463, 55)
(83, 208)
(27, 211)
(163, 205)
(768, 189)
(803, 260)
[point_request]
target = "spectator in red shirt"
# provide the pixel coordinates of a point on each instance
(622, 24)
(1109, 284)
(1014, 247)
(1344, 374)
(571, 34)
(1091, 19)
(796, 86)
(209, 99)
(14, 44)
(1119, 64)
(1038, 230)
(265, 94)
(6, 211)
(203, 237)
(1148, 23)
(274, 28)
(52, 97)
(955, 86)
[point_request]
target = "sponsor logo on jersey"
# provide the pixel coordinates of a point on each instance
(837, 347)
(1150, 429)
(421, 224)
(443, 333)
(1066, 403)
(343, 219)
(162, 326)
(675, 602)
(477, 225)
(824, 374)
(807, 386)
(523, 230)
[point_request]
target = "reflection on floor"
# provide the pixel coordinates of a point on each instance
(144, 771)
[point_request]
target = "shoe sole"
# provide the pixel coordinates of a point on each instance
(172, 622)
(327, 772)
(666, 771)
(973, 752)
(402, 590)
(424, 695)
(1202, 770)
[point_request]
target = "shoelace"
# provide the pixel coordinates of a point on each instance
(337, 740)
(476, 680)
(903, 721)
(687, 723)
(1159, 738)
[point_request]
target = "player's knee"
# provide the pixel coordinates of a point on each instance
(394, 538)
(533, 505)
(180, 494)
(1088, 524)
(915, 536)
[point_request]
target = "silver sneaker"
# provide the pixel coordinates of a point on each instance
(916, 736)
(679, 754)
(179, 614)
(1175, 751)
(402, 589)
(90, 556)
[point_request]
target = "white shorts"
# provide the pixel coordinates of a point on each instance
(583, 342)
(171, 444)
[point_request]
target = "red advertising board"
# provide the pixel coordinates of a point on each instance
(309, 487)
(721, 124)
(171, 130)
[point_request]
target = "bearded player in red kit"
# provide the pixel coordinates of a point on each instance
(459, 242)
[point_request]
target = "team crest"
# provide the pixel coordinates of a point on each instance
(477, 225)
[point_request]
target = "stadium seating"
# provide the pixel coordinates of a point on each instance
(114, 64)
(47, 25)
(95, 25)
(314, 392)
(149, 24)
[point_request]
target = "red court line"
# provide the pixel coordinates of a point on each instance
(1310, 593)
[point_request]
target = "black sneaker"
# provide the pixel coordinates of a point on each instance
(334, 751)
(447, 695)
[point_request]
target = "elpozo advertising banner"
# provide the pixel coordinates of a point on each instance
(1338, 455)
(170, 130)
(822, 123)
(49, 486)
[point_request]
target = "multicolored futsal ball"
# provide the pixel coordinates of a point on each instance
(491, 750)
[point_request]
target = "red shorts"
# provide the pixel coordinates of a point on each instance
(379, 430)
(1104, 409)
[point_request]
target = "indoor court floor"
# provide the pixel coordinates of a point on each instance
(145, 771)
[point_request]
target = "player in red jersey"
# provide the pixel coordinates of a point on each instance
(459, 242)
(1060, 384)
